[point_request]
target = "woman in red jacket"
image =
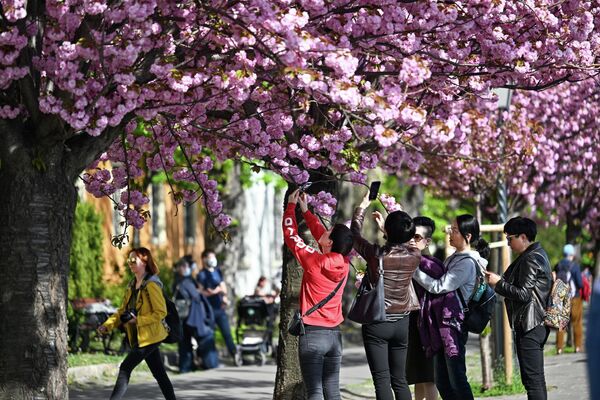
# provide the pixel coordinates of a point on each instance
(320, 348)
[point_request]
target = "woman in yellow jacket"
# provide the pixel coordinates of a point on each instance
(142, 313)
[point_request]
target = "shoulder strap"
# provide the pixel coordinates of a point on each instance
(325, 300)
(462, 300)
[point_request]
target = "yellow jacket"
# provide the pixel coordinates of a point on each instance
(151, 310)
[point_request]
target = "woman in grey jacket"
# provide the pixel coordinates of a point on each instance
(471, 251)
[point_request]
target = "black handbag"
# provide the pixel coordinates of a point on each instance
(369, 304)
(296, 326)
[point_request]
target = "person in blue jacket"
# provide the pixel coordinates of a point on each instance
(197, 318)
(213, 287)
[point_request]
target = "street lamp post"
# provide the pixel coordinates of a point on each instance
(503, 337)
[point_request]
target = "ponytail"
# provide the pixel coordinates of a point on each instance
(468, 225)
(482, 247)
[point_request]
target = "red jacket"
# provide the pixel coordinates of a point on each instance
(322, 272)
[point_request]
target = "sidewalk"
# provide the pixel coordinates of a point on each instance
(565, 375)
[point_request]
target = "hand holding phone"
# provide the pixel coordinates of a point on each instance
(374, 189)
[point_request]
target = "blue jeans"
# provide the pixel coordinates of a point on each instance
(222, 321)
(386, 345)
(593, 345)
(530, 352)
(451, 373)
(320, 353)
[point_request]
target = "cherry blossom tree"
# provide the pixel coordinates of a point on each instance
(296, 87)
(562, 172)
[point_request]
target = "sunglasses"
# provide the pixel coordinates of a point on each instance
(132, 260)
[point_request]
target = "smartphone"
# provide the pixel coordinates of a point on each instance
(305, 186)
(374, 189)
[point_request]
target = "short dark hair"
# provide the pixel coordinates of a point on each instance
(182, 262)
(427, 223)
(342, 240)
(399, 227)
(521, 225)
(207, 252)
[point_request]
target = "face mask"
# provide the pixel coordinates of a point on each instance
(194, 266)
(211, 262)
(187, 271)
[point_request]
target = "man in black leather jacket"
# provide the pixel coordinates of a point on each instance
(526, 286)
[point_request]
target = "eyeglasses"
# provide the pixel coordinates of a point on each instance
(451, 229)
(510, 237)
(132, 260)
(417, 238)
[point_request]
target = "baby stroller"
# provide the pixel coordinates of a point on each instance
(254, 332)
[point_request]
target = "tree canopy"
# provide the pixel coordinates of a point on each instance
(290, 86)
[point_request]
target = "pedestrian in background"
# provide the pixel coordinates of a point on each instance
(141, 312)
(197, 319)
(386, 342)
(569, 272)
(213, 287)
(526, 286)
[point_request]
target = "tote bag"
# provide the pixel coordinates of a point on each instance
(369, 304)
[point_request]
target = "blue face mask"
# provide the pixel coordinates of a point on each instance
(187, 271)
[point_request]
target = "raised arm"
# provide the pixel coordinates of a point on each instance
(314, 225)
(293, 241)
(361, 245)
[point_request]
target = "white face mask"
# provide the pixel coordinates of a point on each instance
(211, 262)
(187, 271)
(194, 266)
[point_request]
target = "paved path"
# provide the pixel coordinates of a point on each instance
(565, 376)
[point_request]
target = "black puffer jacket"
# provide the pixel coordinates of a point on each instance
(526, 285)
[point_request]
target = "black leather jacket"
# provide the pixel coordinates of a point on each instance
(526, 285)
(399, 264)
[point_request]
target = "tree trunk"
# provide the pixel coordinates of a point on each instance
(37, 205)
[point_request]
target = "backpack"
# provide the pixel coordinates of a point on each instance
(480, 307)
(558, 309)
(171, 321)
(586, 290)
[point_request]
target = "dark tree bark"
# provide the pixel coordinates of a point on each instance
(37, 206)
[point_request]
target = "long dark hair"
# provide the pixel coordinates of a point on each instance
(467, 224)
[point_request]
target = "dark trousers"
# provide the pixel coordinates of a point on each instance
(386, 345)
(152, 356)
(186, 350)
(451, 373)
(222, 321)
(530, 352)
(320, 353)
